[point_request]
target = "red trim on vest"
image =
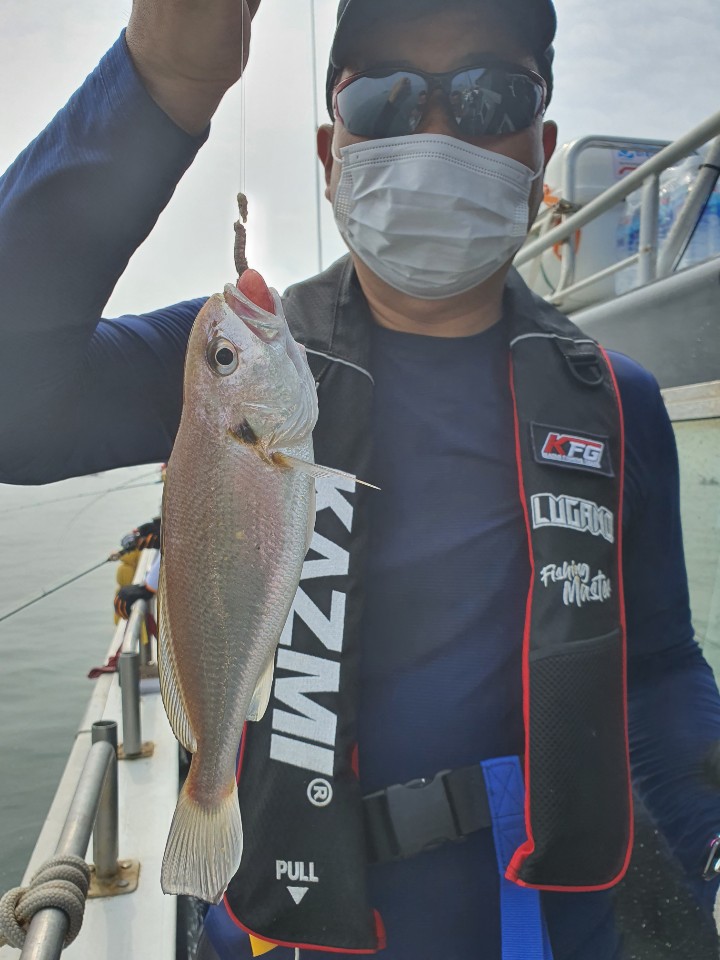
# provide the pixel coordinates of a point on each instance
(623, 619)
(380, 931)
(308, 946)
(528, 847)
(524, 851)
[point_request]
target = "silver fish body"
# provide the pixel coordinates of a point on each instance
(237, 519)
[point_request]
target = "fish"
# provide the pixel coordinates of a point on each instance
(238, 517)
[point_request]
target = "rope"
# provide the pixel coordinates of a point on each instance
(62, 883)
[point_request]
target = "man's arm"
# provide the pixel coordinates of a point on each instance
(76, 396)
(674, 705)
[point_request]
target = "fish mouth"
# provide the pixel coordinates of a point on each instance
(265, 326)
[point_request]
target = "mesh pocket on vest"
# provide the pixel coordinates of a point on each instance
(576, 699)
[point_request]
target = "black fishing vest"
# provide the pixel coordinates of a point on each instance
(302, 880)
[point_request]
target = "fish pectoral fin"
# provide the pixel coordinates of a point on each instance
(167, 669)
(315, 470)
(261, 696)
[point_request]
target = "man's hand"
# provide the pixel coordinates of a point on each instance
(127, 596)
(147, 535)
(189, 53)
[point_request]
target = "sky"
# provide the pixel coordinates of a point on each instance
(635, 68)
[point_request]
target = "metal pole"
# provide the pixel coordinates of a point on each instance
(557, 298)
(134, 632)
(145, 644)
(316, 124)
(649, 209)
(48, 928)
(567, 271)
(129, 669)
(105, 833)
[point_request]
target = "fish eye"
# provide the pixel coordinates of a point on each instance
(222, 357)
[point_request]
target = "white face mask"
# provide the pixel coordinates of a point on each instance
(430, 215)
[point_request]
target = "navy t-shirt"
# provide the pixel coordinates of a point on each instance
(447, 572)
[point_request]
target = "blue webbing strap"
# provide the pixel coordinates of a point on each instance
(524, 934)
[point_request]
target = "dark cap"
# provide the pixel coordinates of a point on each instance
(533, 20)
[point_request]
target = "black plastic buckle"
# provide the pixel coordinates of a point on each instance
(421, 815)
(712, 864)
(584, 361)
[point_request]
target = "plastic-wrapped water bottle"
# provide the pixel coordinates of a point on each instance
(712, 212)
(666, 209)
(696, 250)
(705, 241)
(675, 186)
(707, 234)
(628, 243)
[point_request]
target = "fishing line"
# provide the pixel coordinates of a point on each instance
(99, 497)
(51, 590)
(316, 124)
(243, 119)
(78, 496)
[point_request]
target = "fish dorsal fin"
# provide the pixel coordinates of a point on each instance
(316, 470)
(167, 669)
(261, 696)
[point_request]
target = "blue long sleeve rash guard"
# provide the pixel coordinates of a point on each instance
(79, 394)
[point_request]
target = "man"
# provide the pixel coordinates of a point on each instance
(144, 537)
(410, 342)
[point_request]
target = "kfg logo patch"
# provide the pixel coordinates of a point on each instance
(558, 447)
(575, 450)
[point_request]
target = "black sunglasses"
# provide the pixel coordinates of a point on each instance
(483, 101)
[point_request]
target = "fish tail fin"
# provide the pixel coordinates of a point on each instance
(204, 847)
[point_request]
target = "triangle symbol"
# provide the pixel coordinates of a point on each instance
(297, 893)
(260, 947)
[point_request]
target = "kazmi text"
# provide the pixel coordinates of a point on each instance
(304, 735)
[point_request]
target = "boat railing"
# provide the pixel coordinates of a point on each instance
(117, 922)
(654, 263)
(136, 638)
(136, 652)
(93, 810)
